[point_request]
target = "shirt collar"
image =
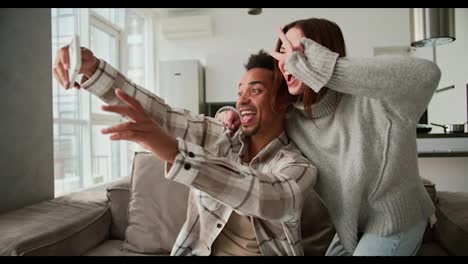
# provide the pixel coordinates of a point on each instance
(270, 149)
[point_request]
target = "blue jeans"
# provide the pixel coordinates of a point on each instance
(405, 243)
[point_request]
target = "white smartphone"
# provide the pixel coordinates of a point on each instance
(75, 59)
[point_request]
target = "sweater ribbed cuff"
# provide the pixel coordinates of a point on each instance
(314, 67)
(225, 108)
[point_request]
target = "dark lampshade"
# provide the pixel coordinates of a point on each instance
(432, 27)
(254, 11)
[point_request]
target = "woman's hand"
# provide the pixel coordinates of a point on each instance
(230, 119)
(89, 65)
(141, 129)
(286, 49)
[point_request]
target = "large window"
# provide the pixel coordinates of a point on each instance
(83, 157)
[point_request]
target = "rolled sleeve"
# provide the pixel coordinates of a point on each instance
(186, 165)
(277, 195)
(101, 81)
(225, 108)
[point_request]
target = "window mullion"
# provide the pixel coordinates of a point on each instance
(102, 22)
(99, 119)
(150, 58)
(85, 103)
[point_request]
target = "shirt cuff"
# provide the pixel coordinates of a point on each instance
(85, 81)
(225, 108)
(101, 81)
(187, 163)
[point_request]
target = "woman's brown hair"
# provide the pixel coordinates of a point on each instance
(322, 31)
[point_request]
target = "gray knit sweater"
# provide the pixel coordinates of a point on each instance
(362, 137)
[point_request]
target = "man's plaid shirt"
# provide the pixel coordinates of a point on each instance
(270, 189)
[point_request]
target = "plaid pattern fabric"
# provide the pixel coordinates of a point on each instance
(270, 189)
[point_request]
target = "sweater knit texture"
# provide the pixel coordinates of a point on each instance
(362, 137)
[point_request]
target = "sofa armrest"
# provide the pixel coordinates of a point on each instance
(68, 225)
(118, 195)
(451, 228)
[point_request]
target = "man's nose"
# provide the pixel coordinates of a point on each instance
(244, 99)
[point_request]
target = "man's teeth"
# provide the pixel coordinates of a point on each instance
(247, 112)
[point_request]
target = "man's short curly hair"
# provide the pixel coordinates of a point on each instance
(260, 60)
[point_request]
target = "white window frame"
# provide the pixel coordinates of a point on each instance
(150, 44)
(86, 119)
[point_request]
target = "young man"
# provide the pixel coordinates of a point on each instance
(247, 189)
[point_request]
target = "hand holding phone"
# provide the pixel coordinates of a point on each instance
(75, 59)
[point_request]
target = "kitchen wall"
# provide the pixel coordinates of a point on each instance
(26, 137)
(450, 106)
(237, 35)
(448, 174)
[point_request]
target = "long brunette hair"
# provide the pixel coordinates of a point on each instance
(322, 31)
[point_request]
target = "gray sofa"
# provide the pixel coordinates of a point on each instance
(95, 222)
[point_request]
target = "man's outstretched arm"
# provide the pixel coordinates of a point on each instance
(276, 196)
(102, 80)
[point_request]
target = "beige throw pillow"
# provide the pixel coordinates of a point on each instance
(157, 208)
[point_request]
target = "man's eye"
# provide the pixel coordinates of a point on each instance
(255, 90)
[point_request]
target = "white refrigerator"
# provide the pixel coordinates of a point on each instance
(182, 84)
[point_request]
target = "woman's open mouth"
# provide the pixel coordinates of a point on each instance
(290, 79)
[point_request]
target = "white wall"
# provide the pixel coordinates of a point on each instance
(237, 35)
(26, 135)
(448, 174)
(450, 107)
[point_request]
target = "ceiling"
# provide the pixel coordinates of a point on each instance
(167, 11)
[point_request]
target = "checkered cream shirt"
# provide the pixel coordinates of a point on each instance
(270, 189)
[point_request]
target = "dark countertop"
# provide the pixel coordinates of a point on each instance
(442, 154)
(452, 142)
(441, 135)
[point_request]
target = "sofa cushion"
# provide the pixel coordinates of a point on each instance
(113, 248)
(119, 197)
(67, 225)
(451, 228)
(157, 208)
(431, 249)
(430, 188)
(316, 227)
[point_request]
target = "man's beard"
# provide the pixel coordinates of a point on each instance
(251, 132)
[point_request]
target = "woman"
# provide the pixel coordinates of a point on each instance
(356, 119)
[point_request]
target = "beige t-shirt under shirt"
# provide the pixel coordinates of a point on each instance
(237, 238)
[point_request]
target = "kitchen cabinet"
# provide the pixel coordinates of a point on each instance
(442, 145)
